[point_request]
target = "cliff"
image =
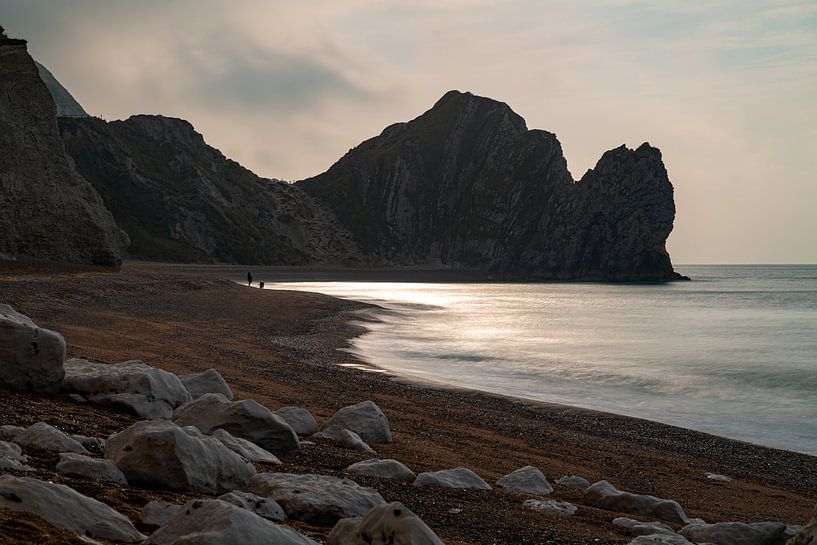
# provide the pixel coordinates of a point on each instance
(67, 105)
(467, 185)
(48, 210)
(182, 200)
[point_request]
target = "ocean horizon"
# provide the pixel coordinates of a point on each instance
(732, 353)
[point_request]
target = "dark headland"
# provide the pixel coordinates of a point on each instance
(464, 188)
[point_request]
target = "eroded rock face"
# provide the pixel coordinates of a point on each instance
(467, 185)
(246, 419)
(387, 524)
(148, 391)
(735, 533)
(458, 477)
(605, 496)
(49, 210)
(385, 469)
(67, 105)
(365, 419)
(206, 382)
(182, 200)
(32, 357)
(67, 508)
(526, 479)
(216, 522)
(299, 419)
(160, 453)
(316, 498)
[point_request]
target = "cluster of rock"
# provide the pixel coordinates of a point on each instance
(196, 438)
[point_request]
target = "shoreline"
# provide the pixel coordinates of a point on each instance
(280, 348)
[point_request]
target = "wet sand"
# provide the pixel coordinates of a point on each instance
(280, 348)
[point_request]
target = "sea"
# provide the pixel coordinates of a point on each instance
(732, 352)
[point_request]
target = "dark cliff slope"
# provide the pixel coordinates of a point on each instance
(182, 200)
(47, 210)
(67, 105)
(467, 185)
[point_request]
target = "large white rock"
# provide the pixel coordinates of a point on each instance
(160, 453)
(206, 382)
(387, 524)
(574, 481)
(142, 388)
(639, 528)
(526, 479)
(299, 419)
(316, 498)
(9, 432)
(12, 458)
(66, 508)
(157, 513)
(31, 358)
(247, 449)
(605, 496)
(661, 539)
(246, 419)
(44, 436)
(365, 419)
(216, 522)
(385, 469)
(458, 477)
(78, 464)
(267, 508)
(351, 441)
(551, 507)
(807, 535)
(735, 533)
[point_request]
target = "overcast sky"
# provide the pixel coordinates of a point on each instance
(726, 88)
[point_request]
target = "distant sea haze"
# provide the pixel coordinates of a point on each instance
(733, 353)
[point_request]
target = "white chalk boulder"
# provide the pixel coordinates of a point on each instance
(316, 498)
(299, 420)
(246, 419)
(64, 507)
(266, 508)
(157, 513)
(12, 458)
(574, 481)
(365, 419)
(551, 507)
(44, 436)
(141, 388)
(526, 479)
(458, 477)
(605, 496)
(807, 535)
(32, 357)
(216, 522)
(351, 441)
(661, 539)
(390, 523)
(9, 432)
(160, 453)
(101, 470)
(206, 382)
(735, 533)
(385, 469)
(247, 449)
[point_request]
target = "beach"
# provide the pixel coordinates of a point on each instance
(282, 348)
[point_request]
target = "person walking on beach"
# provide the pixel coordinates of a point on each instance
(261, 284)
(249, 278)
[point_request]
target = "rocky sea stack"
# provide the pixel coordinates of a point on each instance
(49, 211)
(466, 185)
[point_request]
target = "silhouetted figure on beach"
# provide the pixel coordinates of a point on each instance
(249, 278)
(261, 285)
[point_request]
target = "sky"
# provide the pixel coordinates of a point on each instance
(727, 89)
